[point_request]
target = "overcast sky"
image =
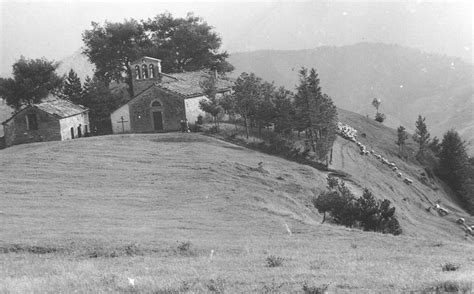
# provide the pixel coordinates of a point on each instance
(53, 29)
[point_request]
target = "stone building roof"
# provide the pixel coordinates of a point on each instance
(56, 107)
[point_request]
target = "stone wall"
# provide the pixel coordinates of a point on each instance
(115, 119)
(16, 131)
(141, 112)
(79, 120)
(192, 108)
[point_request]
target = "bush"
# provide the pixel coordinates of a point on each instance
(450, 287)
(184, 247)
(307, 289)
(274, 261)
(216, 286)
(380, 117)
(366, 212)
(450, 267)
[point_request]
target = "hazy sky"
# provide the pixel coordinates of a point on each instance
(53, 28)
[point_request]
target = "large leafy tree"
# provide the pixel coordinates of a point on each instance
(72, 88)
(246, 93)
(185, 43)
(33, 80)
(181, 43)
(112, 47)
(211, 105)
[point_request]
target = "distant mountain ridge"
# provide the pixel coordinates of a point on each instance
(408, 81)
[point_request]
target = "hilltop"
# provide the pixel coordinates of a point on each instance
(104, 209)
(436, 86)
(408, 81)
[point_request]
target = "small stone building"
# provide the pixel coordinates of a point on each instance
(161, 100)
(52, 120)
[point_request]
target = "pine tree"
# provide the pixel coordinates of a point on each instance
(284, 111)
(316, 114)
(72, 88)
(455, 167)
(101, 102)
(422, 136)
(402, 136)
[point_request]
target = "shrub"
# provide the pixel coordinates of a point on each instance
(272, 288)
(274, 261)
(449, 267)
(450, 287)
(366, 212)
(184, 247)
(216, 286)
(132, 249)
(380, 117)
(307, 289)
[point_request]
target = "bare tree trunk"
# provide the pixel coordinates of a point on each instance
(246, 127)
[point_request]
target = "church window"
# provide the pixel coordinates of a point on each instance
(156, 104)
(145, 71)
(152, 71)
(137, 72)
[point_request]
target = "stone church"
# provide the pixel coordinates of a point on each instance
(161, 100)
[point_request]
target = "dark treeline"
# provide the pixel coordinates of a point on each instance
(259, 104)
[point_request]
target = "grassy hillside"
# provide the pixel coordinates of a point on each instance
(86, 215)
(408, 81)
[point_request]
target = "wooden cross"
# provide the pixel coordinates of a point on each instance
(122, 121)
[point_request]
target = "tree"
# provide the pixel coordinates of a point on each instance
(211, 105)
(33, 80)
(402, 136)
(421, 136)
(246, 92)
(72, 88)
(185, 44)
(435, 145)
(112, 47)
(316, 114)
(284, 111)
(227, 102)
(376, 103)
(101, 102)
(380, 117)
(264, 109)
(454, 167)
(181, 43)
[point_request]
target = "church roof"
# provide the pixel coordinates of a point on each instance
(60, 108)
(187, 84)
(54, 106)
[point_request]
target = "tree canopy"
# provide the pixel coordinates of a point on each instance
(181, 43)
(315, 113)
(72, 88)
(422, 136)
(33, 80)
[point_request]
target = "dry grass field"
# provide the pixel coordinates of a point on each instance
(186, 213)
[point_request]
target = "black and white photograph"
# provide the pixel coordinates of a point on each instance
(197, 146)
